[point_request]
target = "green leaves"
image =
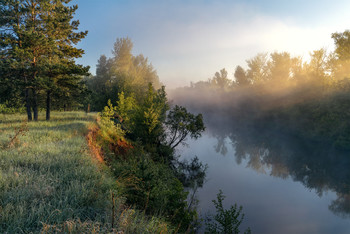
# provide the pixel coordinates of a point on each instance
(110, 130)
(181, 123)
(125, 108)
(225, 220)
(124, 72)
(38, 47)
(342, 43)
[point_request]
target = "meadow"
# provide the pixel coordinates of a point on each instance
(51, 182)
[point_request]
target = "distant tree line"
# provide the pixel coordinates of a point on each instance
(309, 99)
(280, 69)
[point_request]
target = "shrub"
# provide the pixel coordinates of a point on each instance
(152, 187)
(225, 220)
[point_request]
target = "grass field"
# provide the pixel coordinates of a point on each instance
(50, 182)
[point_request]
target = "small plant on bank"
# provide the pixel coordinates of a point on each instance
(225, 220)
(14, 139)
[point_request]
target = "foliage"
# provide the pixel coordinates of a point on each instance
(220, 80)
(38, 51)
(124, 72)
(7, 109)
(109, 131)
(145, 169)
(152, 187)
(308, 99)
(181, 123)
(111, 134)
(323, 120)
(225, 220)
(125, 110)
(149, 117)
(132, 134)
(146, 121)
(148, 184)
(257, 68)
(342, 43)
(140, 121)
(240, 75)
(192, 175)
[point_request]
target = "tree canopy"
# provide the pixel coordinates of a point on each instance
(124, 72)
(37, 50)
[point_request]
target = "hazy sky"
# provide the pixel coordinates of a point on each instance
(190, 40)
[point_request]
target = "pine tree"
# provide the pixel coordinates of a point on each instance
(15, 65)
(38, 39)
(63, 75)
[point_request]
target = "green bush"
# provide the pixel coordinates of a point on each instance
(225, 221)
(5, 108)
(152, 187)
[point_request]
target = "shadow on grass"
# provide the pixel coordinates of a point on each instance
(56, 117)
(61, 127)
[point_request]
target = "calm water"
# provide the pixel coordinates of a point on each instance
(285, 185)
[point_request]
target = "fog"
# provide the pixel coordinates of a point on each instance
(288, 120)
(270, 84)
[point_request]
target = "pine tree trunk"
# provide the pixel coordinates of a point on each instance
(48, 104)
(35, 105)
(28, 106)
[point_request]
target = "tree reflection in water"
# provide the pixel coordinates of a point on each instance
(317, 166)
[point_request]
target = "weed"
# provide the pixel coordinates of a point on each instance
(14, 139)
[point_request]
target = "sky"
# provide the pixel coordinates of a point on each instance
(190, 40)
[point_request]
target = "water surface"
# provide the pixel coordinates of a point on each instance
(284, 184)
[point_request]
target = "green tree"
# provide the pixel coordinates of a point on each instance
(122, 51)
(241, 76)
(101, 85)
(125, 109)
(22, 35)
(180, 124)
(38, 39)
(62, 74)
(124, 72)
(342, 44)
(341, 60)
(132, 73)
(221, 79)
(150, 116)
(318, 67)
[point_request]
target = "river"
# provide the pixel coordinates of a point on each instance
(285, 185)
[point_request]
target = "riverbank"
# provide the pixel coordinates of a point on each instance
(50, 181)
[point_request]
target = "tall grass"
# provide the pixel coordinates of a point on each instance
(49, 181)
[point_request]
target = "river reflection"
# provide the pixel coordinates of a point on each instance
(318, 167)
(277, 205)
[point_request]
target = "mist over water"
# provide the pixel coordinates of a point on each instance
(278, 139)
(287, 182)
(285, 185)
